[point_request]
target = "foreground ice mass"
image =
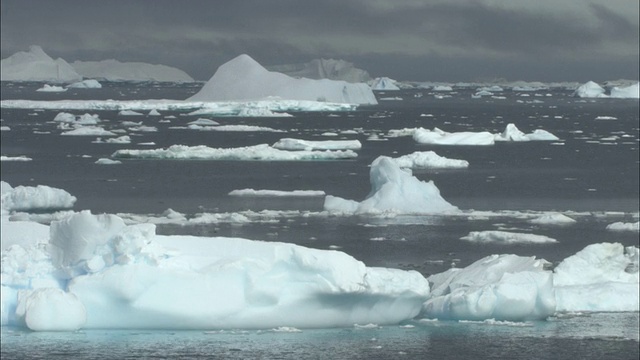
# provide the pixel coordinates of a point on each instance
(98, 272)
(393, 190)
(242, 78)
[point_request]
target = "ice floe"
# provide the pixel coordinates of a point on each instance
(384, 83)
(622, 226)
(51, 88)
(85, 84)
(506, 237)
(39, 197)
(553, 219)
(299, 144)
(276, 193)
(429, 160)
(255, 153)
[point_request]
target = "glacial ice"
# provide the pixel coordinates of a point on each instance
(114, 70)
(629, 92)
(36, 65)
(244, 79)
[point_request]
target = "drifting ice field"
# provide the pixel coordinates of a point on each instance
(549, 199)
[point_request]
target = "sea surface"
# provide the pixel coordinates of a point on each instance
(591, 174)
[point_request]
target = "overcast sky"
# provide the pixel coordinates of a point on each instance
(427, 40)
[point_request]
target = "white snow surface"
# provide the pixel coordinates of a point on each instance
(393, 190)
(244, 79)
(299, 144)
(114, 70)
(262, 152)
(97, 272)
(501, 287)
(601, 277)
(36, 65)
(506, 237)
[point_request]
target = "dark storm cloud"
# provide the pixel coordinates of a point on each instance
(463, 39)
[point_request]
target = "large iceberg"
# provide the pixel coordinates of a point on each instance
(97, 272)
(628, 92)
(114, 70)
(242, 78)
(384, 83)
(36, 65)
(324, 69)
(393, 190)
(592, 90)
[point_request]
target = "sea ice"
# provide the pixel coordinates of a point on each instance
(440, 137)
(393, 190)
(257, 152)
(51, 88)
(276, 193)
(429, 160)
(590, 89)
(298, 144)
(622, 226)
(88, 131)
(242, 78)
(505, 237)
(553, 219)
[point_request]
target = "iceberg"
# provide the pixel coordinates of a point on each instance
(553, 219)
(36, 65)
(244, 79)
(506, 237)
(262, 152)
(590, 89)
(324, 69)
(114, 70)
(429, 160)
(115, 276)
(500, 287)
(51, 88)
(384, 83)
(601, 277)
(276, 193)
(86, 84)
(440, 137)
(622, 226)
(512, 133)
(393, 190)
(298, 144)
(629, 92)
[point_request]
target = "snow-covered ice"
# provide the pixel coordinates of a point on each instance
(393, 190)
(242, 78)
(257, 152)
(553, 219)
(114, 70)
(39, 197)
(429, 160)
(89, 131)
(440, 137)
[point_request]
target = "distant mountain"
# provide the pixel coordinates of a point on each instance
(114, 70)
(36, 65)
(243, 78)
(324, 69)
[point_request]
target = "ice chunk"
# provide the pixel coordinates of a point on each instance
(242, 78)
(41, 197)
(51, 309)
(629, 92)
(277, 193)
(439, 137)
(394, 190)
(501, 287)
(51, 88)
(512, 133)
(590, 89)
(298, 144)
(429, 160)
(86, 84)
(553, 219)
(621, 226)
(505, 237)
(384, 83)
(601, 277)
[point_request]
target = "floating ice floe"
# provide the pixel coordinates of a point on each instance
(442, 88)
(512, 133)
(15, 158)
(39, 197)
(276, 193)
(238, 128)
(204, 122)
(393, 190)
(86, 84)
(262, 152)
(601, 277)
(629, 92)
(590, 89)
(98, 273)
(51, 88)
(622, 226)
(298, 144)
(85, 119)
(440, 137)
(501, 287)
(242, 78)
(593, 90)
(89, 131)
(429, 160)
(129, 113)
(105, 161)
(506, 237)
(125, 139)
(553, 219)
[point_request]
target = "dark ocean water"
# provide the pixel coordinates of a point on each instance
(593, 170)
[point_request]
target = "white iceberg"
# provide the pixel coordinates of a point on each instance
(429, 160)
(590, 89)
(127, 277)
(15, 158)
(41, 197)
(36, 65)
(553, 219)
(393, 190)
(622, 226)
(442, 88)
(114, 70)
(506, 237)
(512, 133)
(299, 144)
(629, 92)
(242, 78)
(384, 83)
(262, 152)
(86, 84)
(88, 131)
(601, 277)
(500, 287)
(276, 193)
